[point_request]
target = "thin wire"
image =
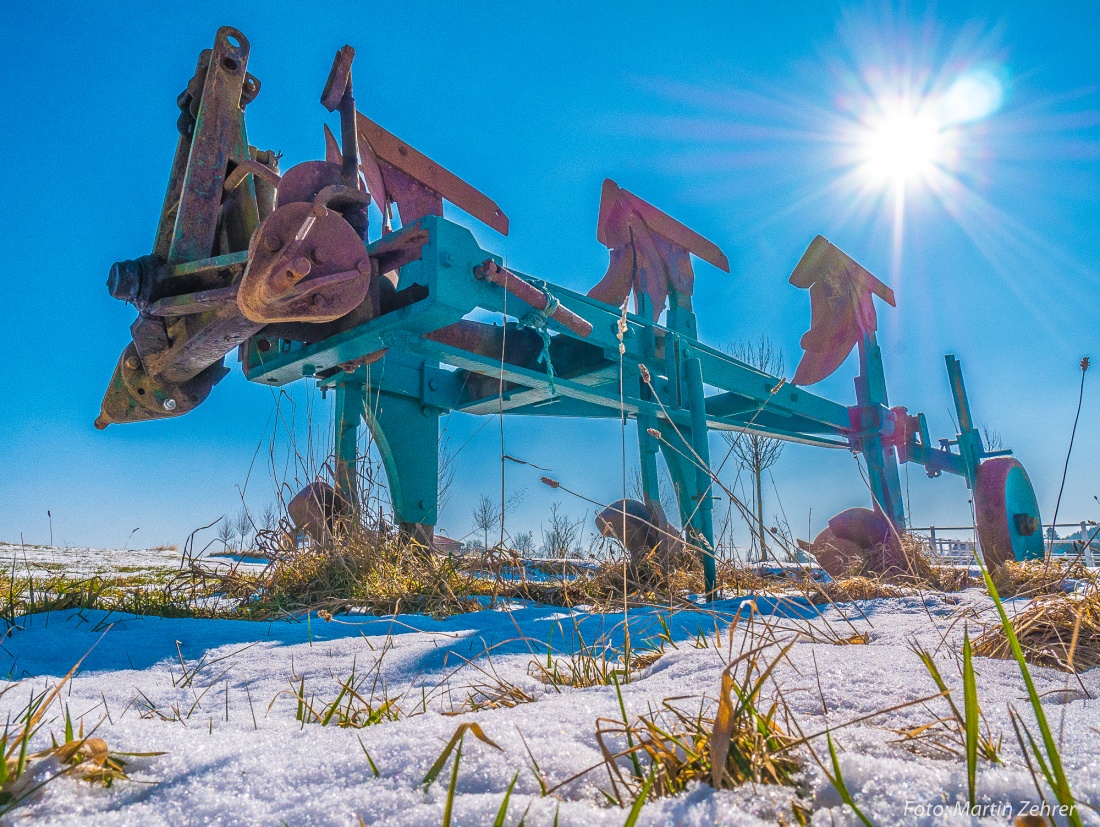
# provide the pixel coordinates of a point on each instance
(1069, 451)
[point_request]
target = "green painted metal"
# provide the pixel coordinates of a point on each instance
(351, 400)
(408, 389)
(971, 448)
(871, 417)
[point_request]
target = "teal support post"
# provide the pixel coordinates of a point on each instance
(703, 522)
(873, 420)
(407, 434)
(971, 447)
(648, 446)
(687, 454)
(351, 395)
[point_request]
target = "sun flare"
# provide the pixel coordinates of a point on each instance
(902, 145)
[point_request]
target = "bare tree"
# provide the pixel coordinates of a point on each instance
(226, 533)
(991, 438)
(757, 453)
(558, 541)
(525, 543)
(447, 468)
(269, 520)
(243, 526)
(486, 516)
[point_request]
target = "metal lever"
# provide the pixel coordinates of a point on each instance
(338, 95)
(529, 294)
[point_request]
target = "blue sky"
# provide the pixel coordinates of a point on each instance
(738, 119)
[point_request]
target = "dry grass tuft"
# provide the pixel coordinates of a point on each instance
(1058, 630)
(1033, 578)
(845, 589)
(740, 739)
(366, 570)
(926, 571)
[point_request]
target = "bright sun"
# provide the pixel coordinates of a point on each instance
(906, 139)
(902, 145)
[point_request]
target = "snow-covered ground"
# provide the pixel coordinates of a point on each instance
(79, 562)
(236, 754)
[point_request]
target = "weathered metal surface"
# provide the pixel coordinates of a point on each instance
(649, 253)
(641, 529)
(841, 305)
(537, 299)
(214, 145)
(318, 511)
(306, 264)
(1007, 513)
(860, 541)
(337, 95)
(134, 396)
(397, 173)
(281, 267)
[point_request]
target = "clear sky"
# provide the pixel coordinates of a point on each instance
(757, 124)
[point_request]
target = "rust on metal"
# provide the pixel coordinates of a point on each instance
(533, 296)
(842, 308)
(397, 173)
(135, 396)
(306, 264)
(650, 252)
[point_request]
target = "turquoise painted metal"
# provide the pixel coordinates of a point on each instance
(409, 353)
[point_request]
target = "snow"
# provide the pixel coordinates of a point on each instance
(236, 754)
(78, 562)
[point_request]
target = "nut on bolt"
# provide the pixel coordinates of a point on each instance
(169, 404)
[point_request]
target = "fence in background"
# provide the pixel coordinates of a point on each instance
(961, 550)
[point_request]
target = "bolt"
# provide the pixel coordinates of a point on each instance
(299, 269)
(169, 403)
(132, 362)
(432, 385)
(272, 243)
(446, 260)
(363, 266)
(316, 257)
(308, 370)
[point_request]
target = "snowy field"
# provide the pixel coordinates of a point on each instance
(217, 698)
(79, 562)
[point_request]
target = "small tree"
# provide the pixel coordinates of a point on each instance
(269, 520)
(757, 453)
(486, 516)
(558, 541)
(243, 526)
(226, 533)
(525, 543)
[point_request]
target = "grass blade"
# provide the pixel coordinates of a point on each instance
(1061, 786)
(503, 811)
(639, 802)
(449, 808)
(841, 787)
(970, 708)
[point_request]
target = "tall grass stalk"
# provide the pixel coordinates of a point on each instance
(1057, 774)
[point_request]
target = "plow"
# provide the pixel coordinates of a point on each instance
(288, 270)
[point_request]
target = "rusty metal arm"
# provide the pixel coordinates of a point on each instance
(529, 294)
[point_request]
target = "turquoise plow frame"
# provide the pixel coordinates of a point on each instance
(665, 373)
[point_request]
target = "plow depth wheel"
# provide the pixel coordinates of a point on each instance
(1009, 526)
